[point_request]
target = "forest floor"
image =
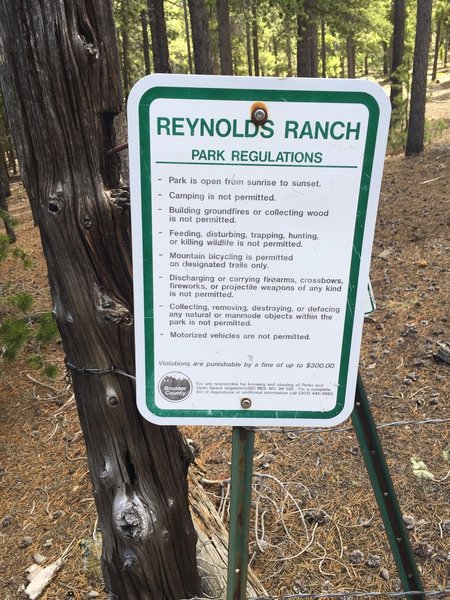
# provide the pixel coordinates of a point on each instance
(315, 524)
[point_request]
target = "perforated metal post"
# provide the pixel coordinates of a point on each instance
(378, 470)
(241, 497)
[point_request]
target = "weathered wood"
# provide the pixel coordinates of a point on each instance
(212, 547)
(59, 76)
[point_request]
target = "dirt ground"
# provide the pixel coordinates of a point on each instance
(315, 525)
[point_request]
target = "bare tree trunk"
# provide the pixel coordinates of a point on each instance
(248, 38)
(398, 49)
(275, 55)
(188, 37)
(223, 24)
(125, 61)
(416, 125)
(160, 46)
(5, 191)
(303, 55)
(255, 37)
(313, 48)
(436, 48)
(138, 470)
(323, 48)
(350, 47)
(385, 47)
(145, 43)
(203, 59)
(288, 26)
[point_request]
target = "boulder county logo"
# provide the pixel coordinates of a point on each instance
(175, 386)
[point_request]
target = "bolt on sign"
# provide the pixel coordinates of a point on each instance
(253, 211)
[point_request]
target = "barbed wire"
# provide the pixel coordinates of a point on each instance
(299, 430)
(91, 371)
(411, 594)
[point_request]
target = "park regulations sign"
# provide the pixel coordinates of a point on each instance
(253, 209)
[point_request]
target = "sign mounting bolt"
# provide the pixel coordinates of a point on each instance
(259, 113)
(246, 403)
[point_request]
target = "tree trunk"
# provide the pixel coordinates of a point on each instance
(248, 38)
(188, 37)
(145, 43)
(307, 62)
(303, 55)
(255, 37)
(385, 47)
(125, 61)
(5, 191)
(416, 126)
(323, 48)
(398, 49)
(436, 48)
(313, 48)
(62, 122)
(350, 48)
(223, 26)
(288, 26)
(160, 46)
(203, 59)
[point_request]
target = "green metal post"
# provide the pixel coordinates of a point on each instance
(378, 470)
(241, 496)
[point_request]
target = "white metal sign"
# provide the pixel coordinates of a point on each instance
(251, 245)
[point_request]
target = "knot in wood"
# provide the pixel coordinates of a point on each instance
(132, 518)
(121, 197)
(89, 48)
(113, 310)
(55, 202)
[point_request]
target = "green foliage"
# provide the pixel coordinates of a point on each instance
(36, 361)
(22, 255)
(14, 333)
(23, 301)
(433, 129)
(4, 246)
(50, 371)
(47, 330)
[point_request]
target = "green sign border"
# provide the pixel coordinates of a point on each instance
(251, 95)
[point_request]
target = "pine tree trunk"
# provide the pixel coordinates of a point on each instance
(350, 47)
(288, 28)
(125, 61)
(436, 48)
(398, 49)
(313, 48)
(223, 25)
(145, 43)
(62, 122)
(255, 37)
(248, 39)
(203, 60)
(303, 55)
(416, 126)
(323, 48)
(160, 46)
(385, 47)
(188, 37)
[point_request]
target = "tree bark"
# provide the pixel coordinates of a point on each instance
(436, 48)
(303, 55)
(288, 27)
(398, 50)
(223, 24)
(385, 47)
(248, 39)
(145, 42)
(416, 125)
(125, 61)
(160, 45)
(255, 37)
(323, 48)
(203, 60)
(5, 191)
(350, 48)
(188, 37)
(59, 77)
